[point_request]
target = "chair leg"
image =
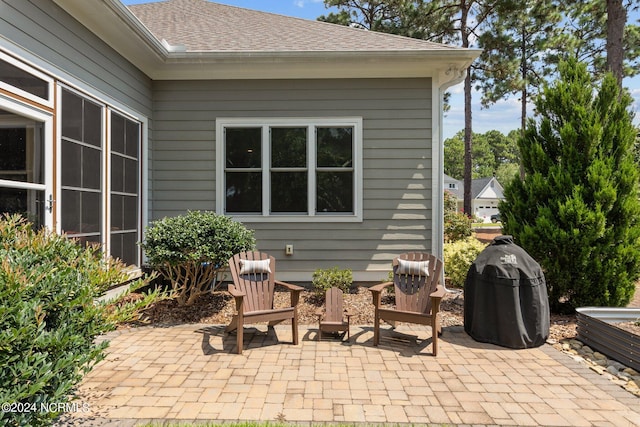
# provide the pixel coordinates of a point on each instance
(240, 335)
(376, 329)
(294, 330)
(239, 339)
(434, 333)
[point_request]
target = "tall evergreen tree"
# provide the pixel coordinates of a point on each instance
(597, 33)
(577, 211)
(616, 21)
(473, 17)
(427, 20)
(512, 61)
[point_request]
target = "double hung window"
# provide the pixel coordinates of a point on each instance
(290, 169)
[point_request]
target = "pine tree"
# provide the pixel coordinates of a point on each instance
(577, 210)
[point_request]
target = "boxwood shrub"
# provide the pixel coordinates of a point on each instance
(192, 249)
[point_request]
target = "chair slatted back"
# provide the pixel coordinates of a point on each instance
(334, 305)
(258, 287)
(412, 291)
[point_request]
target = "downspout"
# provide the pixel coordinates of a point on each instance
(452, 76)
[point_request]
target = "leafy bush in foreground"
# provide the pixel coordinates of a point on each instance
(49, 318)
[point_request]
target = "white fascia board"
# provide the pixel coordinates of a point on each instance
(306, 65)
(117, 26)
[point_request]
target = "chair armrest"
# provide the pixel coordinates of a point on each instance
(294, 290)
(289, 286)
(438, 293)
(238, 296)
(235, 293)
(380, 286)
(376, 292)
(436, 297)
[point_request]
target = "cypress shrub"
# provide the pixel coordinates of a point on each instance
(577, 210)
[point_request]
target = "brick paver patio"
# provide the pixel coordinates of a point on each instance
(189, 372)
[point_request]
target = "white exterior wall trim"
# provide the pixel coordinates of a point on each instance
(446, 78)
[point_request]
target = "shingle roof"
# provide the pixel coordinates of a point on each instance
(477, 185)
(203, 26)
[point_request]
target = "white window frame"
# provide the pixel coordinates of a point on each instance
(46, 118)
(35, 73)
(310, 123)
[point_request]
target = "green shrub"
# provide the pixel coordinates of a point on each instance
(458, 257)
(576, 211)
(192, 250)
(49, 318)
(457, 225)
(324, 279)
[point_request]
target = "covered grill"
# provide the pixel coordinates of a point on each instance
(505, 297)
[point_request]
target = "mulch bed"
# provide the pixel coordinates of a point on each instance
(218, 308)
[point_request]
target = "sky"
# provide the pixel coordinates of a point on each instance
(503, 116)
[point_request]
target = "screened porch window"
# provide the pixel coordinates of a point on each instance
(81, 168)
(125, 171)
(100, 177)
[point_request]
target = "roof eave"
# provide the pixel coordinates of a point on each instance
(298, 65)
(115, 24)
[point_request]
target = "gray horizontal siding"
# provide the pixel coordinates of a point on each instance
(397, 120)
(43, 29)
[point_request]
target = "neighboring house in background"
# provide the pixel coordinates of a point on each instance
(486, 194)
(455, 187)
(323, 137)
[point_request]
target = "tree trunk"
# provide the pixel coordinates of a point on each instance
(524, 97)
(523, 74)
(616, 21)
(468, 143)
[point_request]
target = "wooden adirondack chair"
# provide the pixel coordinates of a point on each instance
(332, 318)
(416, 279)
(253, 287)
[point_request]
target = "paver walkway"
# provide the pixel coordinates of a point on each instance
(189, 372)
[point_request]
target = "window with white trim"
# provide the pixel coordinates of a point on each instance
(25, 81)
(290, 169)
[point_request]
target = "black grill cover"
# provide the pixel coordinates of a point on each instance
(505, 297)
